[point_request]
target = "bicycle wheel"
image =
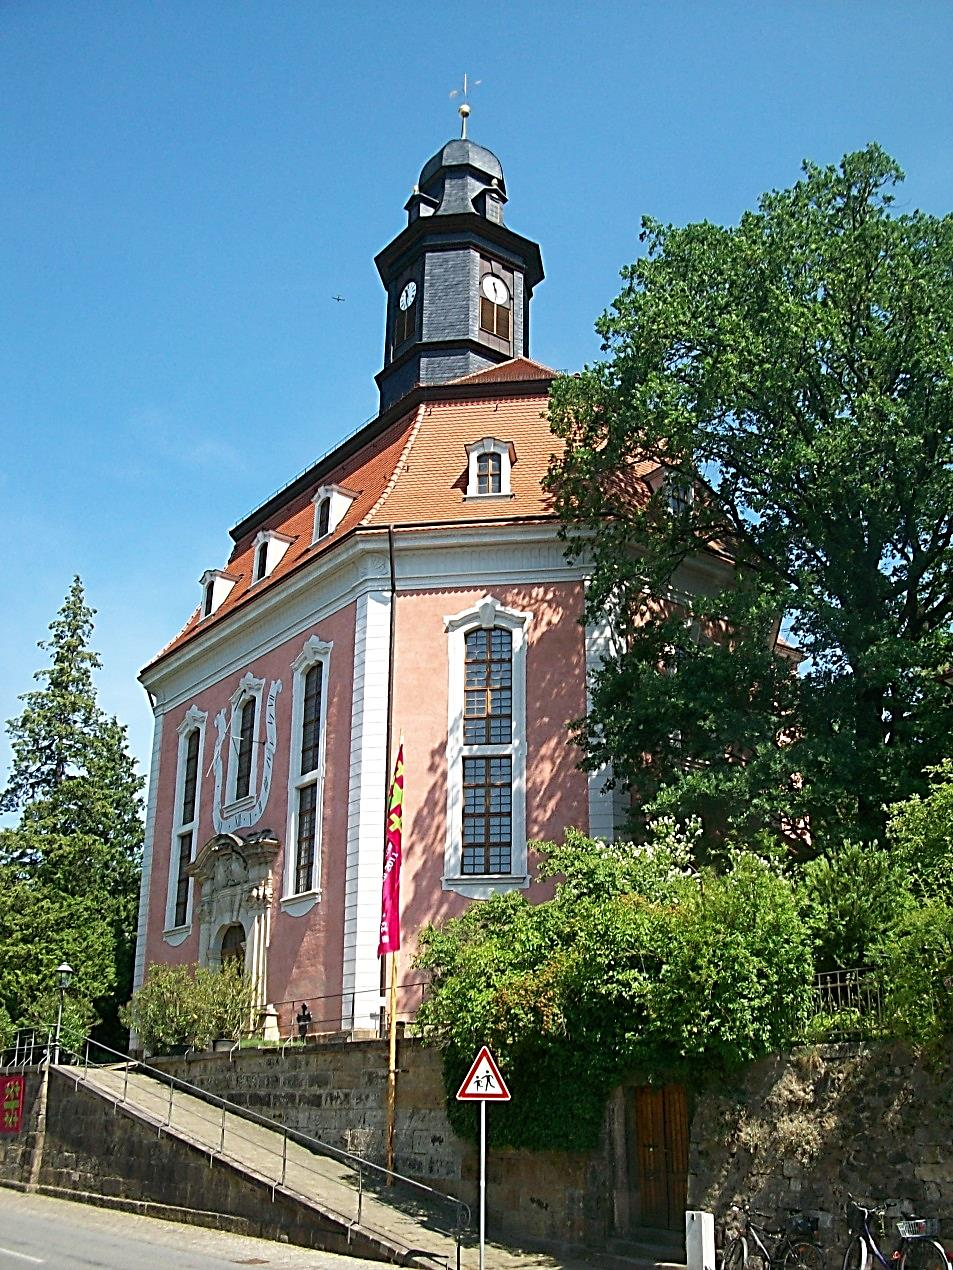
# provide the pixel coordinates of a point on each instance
(923, 1254)
(803, 1255)
(735, 1256)
(855, 1258)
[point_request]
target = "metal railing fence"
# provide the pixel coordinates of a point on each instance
(415, 1200)
(851, 999)
(295, 1157)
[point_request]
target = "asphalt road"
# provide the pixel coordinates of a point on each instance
(60, 1235)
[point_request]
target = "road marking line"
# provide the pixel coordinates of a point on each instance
(8, 1252)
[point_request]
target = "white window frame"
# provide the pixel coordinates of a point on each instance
(249, 688)
(194, 720)
(276, 546)
(315, 650)
(221, 584)
(487, 614)
(340, 500)
(490, 445)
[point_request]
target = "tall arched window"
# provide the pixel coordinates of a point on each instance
(307, 782)
(185, 823)
(486, 751)
(302, 873)
(246, 740)
(488, 777)
(186, 831)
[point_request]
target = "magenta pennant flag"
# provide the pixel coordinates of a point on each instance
(390, 897)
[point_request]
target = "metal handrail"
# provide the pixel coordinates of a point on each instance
(461, 1211)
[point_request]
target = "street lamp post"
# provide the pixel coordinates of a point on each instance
(64, 973)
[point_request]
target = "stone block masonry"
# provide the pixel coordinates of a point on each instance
(804, 1130)
(338, 1094)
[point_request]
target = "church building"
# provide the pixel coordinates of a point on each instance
(411, 580)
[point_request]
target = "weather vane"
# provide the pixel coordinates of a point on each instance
(464, 107)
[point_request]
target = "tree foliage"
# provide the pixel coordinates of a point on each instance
(69, 870)
(920, 831)
(637, 963)
(794, 375)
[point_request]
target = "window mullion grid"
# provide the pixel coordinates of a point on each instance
(185, 830)
(306, 785)
(483, 811)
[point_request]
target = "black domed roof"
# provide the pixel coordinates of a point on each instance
(460, 154)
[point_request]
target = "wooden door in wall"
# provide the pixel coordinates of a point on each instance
(661, 1130)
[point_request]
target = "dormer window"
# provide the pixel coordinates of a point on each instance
(330, 507)
(324, 518)
(405, 321)
(490, 473)
(679, 494)
(489, 464)
(215, 585)
(268, 547)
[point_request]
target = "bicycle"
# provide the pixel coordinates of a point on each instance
(793, 1247)
(917, 1250)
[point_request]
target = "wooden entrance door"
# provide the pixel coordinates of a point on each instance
(661, 1129)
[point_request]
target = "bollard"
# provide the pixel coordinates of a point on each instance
(699, 1240)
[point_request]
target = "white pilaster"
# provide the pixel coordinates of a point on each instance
(145, 884)
(366, 812)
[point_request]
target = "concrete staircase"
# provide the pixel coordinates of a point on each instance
(314, 1194)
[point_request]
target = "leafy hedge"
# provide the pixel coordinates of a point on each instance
(638, 962)
(642, 963)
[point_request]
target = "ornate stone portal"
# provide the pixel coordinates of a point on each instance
(234, 875)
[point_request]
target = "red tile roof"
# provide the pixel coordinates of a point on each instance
(413, 473)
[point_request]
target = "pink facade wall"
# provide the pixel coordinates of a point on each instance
(556, 791)
(305, 952)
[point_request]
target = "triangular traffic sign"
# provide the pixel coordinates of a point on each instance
(483, 1081)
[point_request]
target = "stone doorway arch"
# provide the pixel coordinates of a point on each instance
(232, 944)
(234, 875)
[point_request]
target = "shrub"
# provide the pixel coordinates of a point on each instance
(915, 962)
(189, 1005)
(637, 963)
(921, 834)
(847, 896)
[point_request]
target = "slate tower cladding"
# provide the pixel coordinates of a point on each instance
(458, 281)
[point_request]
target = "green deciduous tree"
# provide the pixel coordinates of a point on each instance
(638, 963)
(69, 870)
(791, 378)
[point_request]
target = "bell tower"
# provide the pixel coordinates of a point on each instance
(458, 281)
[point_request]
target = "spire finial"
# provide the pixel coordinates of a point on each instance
(464, 107)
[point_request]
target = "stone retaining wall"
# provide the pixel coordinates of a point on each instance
(337, 1092)
(805, 1129)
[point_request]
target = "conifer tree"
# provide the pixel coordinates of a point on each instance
(69, 871)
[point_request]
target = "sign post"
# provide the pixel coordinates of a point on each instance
(483, 1083)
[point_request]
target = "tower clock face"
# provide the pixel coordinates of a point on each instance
(408, 296)
(495, 289)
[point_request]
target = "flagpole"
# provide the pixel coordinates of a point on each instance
(392, 1069)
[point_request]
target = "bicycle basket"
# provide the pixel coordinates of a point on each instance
(918, 1227)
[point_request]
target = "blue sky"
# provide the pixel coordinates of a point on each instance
(187, 184)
